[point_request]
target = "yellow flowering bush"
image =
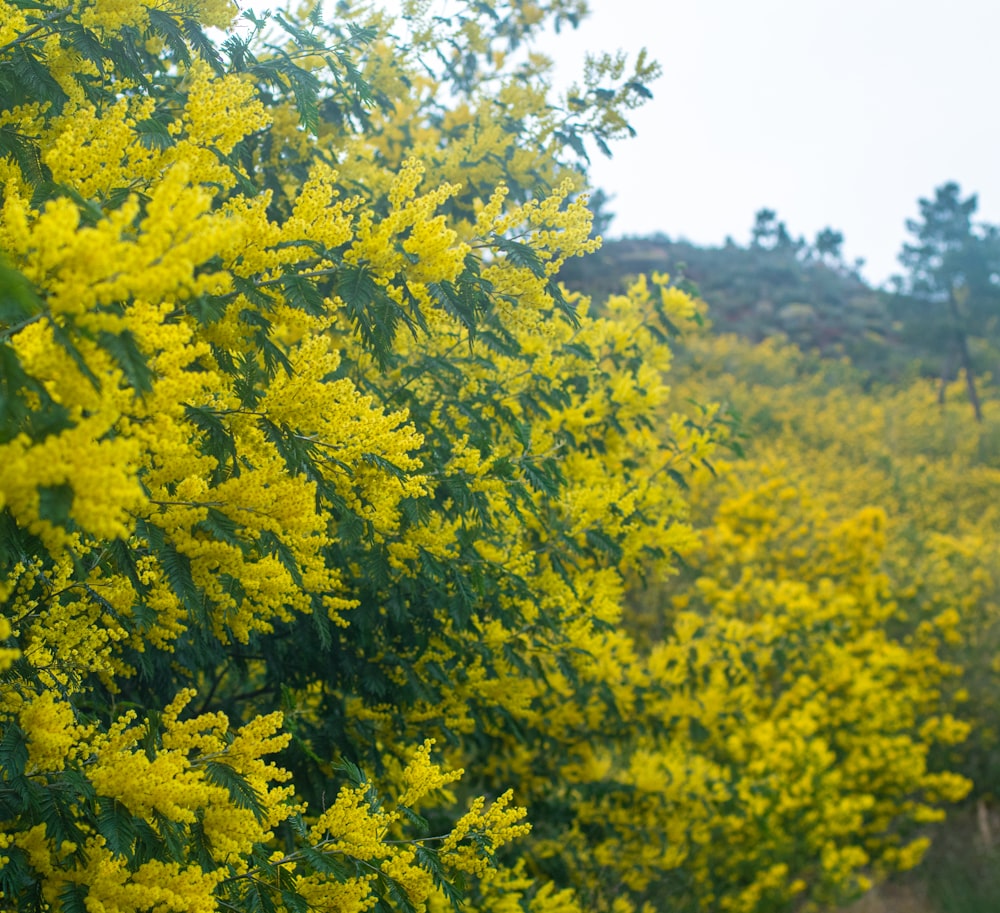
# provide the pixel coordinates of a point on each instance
(868, 514)
(322, 503)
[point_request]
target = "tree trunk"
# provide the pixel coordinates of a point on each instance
(963, 352)
(945, 375)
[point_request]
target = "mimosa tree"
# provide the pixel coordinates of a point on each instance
(319, 494)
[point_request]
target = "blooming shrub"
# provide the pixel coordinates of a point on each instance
(320, 497)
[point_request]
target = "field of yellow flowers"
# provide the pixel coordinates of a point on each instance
(870, 516)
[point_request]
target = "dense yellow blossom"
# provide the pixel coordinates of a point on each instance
(326, 512)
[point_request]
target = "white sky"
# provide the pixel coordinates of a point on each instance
(832, 113)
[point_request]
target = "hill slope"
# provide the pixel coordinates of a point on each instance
(820, 304)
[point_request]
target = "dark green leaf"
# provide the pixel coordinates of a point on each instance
(73, 898)
(153, 134)
(34, 77)
(123, 348)
(258, 897)
(374, 314)
(25, 154)
(223, 528)
(521, 254)
(601, 541)
(55, 503)
(639, 89)
(62, 337)
(678, 478)
(573, 140)
(200, 42)
(18, 300)
(242, 794)
(303, 294)
(177, 566)
(116, 825)
(14, 384)
(13, 751)
(373, 459)
(355, 775)
(272, 544)
(218, 441)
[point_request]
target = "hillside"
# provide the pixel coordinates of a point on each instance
(819, 303)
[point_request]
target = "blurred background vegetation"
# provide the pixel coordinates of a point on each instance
(938, 316)
(886, 396)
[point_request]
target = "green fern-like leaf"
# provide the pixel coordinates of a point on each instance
(242, 794)
(25, 154)
(124, 349)
(177, 567)
(202, 44)
(73, 898)
(116, 824)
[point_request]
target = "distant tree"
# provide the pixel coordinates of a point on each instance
(828, 245)
(783, 240)
(954, 262)
(765, 228)
(770, 234)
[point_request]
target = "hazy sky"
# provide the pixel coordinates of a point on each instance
(838, 114)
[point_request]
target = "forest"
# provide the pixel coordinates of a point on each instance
(374, 538)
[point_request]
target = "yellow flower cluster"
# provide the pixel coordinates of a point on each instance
(776, 740)
(428, 247)
(173, 786)
(354, 827)
(12, 22)
(109, 17)
(495, 825)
